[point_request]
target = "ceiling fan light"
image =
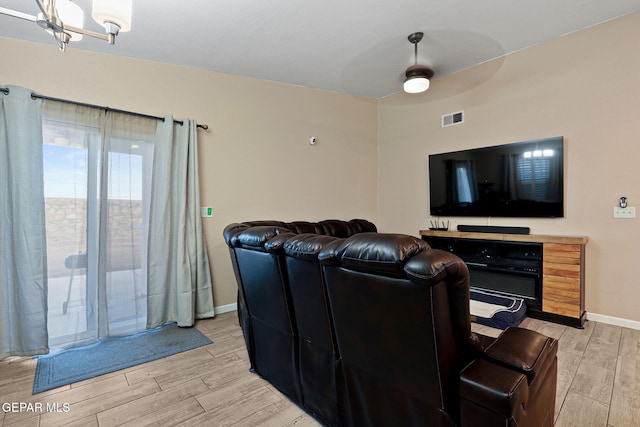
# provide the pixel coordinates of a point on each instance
(113, 12)
(417, 79)
(70, 14)
(417, 84)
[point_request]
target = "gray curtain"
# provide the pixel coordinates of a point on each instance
(97, 183)
(23, 278)
(179, 279)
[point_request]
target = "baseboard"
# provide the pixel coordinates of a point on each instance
(616, 321)
(226, 308)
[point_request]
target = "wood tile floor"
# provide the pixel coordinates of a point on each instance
(598, 373)
(598, 385)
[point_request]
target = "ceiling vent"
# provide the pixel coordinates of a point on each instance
(453, 119)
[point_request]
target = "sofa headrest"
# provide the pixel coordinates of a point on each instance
(362, 226)
(432, 266)
(374, 253)
(329, 227)
(254, 237)
(275, 245)
(302, 227)
(260, 223)
(232, 231)
(308, 246)
(334, 227)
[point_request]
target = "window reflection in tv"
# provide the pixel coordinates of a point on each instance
(522, 179)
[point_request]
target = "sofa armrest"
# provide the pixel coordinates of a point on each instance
(513, 381)
(489, 388)
(524, 350)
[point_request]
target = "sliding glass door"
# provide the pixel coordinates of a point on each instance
(124, 233)
(97, 185)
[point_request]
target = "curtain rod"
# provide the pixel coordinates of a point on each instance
(100, 107)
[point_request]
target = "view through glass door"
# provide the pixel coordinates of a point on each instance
(96, 205)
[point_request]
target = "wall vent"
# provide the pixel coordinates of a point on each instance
(453, 119)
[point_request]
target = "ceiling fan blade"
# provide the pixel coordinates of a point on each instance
(16, 14)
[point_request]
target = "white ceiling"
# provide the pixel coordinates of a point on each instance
(358, 47)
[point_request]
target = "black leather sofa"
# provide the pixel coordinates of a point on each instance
(362, 328)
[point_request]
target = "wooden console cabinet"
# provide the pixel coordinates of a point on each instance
(562, 271)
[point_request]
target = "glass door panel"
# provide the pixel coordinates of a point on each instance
(97, 209)
(70, 158)
(125, 234)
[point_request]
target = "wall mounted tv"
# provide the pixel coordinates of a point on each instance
(522, 179)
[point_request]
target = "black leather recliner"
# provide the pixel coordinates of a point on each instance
(265, 307)
(402, 344)
(401, 319)
(384, 321)
(319, 360)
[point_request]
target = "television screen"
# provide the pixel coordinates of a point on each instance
(522, 179)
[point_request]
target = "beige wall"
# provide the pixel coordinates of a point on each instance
(584, 86)
(256, 162)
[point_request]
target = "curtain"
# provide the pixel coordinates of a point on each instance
(100, 228)
(179, 281)
(97, 169)
(125, 189)
(23, 271)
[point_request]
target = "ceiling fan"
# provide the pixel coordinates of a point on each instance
(417, 76)
(65, 20)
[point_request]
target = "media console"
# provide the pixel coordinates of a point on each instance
(546, 271)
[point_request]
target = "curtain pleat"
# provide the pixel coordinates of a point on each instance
(23, 267)
(179, 279)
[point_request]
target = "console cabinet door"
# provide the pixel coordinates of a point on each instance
(562, 279)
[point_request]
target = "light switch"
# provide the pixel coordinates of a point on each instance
(206, 212)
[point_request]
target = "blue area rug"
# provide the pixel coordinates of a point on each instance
(112, 354)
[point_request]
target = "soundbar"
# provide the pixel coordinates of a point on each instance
(493, 229)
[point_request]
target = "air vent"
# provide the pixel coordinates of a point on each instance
(453, 119)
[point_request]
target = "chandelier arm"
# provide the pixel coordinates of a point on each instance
(43, 9)
(88, 33)
(16, 14)
(61, 44)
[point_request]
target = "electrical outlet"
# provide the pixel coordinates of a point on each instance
(628, 212)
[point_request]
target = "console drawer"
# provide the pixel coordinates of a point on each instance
(562, 279)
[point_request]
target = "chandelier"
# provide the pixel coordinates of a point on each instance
(65, 20)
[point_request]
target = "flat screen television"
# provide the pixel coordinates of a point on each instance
(522, 179)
